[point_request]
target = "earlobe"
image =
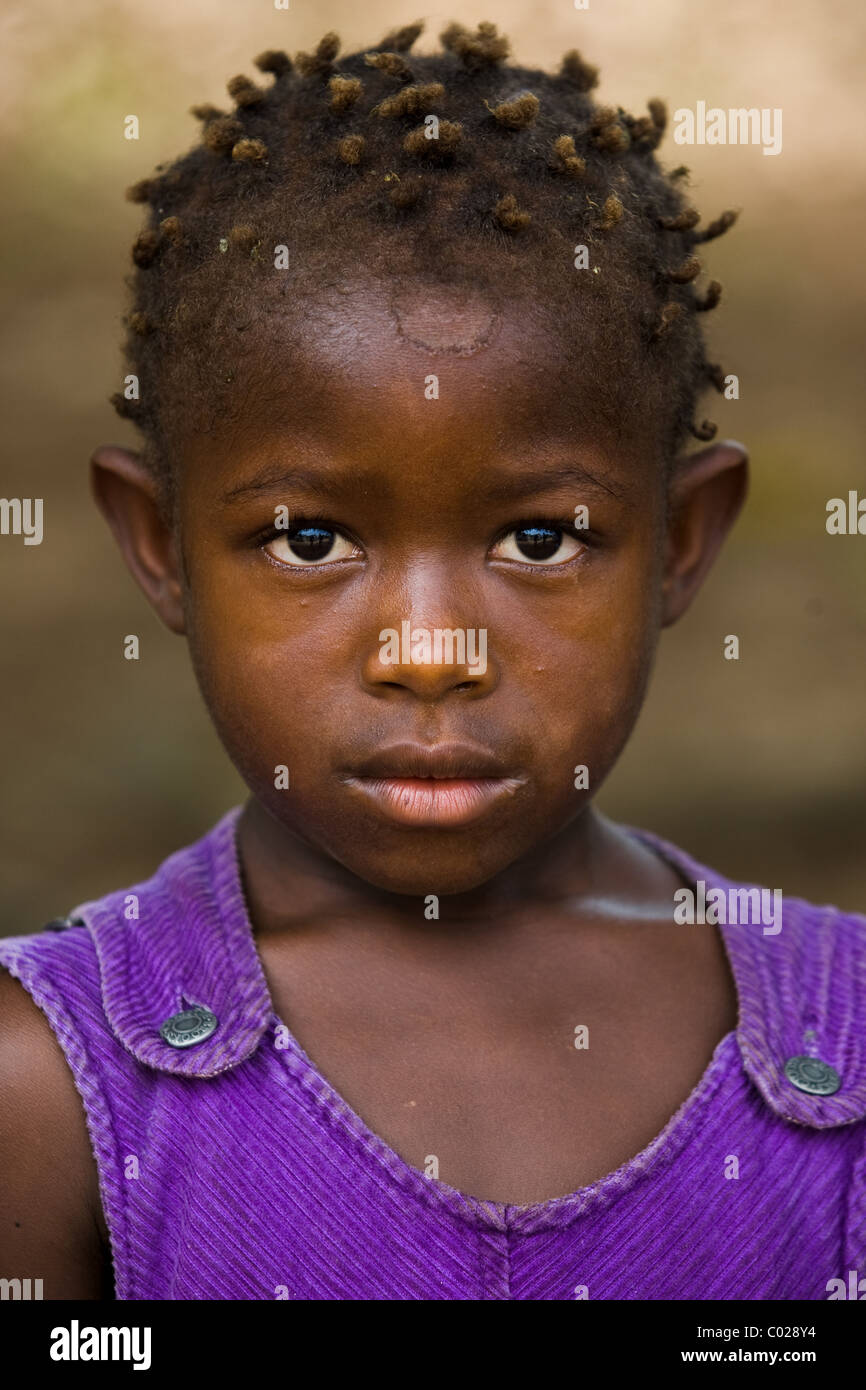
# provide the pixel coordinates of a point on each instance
(128, 497)
(707, 492)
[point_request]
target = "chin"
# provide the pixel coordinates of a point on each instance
(439, 875)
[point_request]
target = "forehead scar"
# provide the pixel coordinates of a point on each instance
(467, 326)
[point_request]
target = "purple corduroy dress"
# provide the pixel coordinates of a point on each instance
(232, 1168)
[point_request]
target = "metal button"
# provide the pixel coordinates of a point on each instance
(813, 1076)
(188, 1027)
(63, 923)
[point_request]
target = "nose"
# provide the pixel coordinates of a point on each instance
(430, 662)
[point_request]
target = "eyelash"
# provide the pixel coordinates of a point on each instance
(566, 525)
(270, 532)
(298, 523)
(586, 537)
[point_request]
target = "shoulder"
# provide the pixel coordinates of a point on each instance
(133, 961)
(34, 1070)
(63, 946)
(58, 968)
(800, 973)
(50, 1213)
(800, 970)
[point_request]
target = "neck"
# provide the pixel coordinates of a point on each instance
(590, 863)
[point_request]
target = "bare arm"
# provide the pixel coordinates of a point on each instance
(51, 1222)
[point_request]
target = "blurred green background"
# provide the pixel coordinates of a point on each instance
(758, 767)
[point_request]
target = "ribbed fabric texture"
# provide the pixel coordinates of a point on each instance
(233, 1170)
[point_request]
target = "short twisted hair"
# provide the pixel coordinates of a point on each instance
(332, 161)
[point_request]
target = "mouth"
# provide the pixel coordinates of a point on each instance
(446, 784)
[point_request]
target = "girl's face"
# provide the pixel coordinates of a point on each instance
(422, 598)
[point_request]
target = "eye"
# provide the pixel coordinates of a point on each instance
(312, 544)
(537, 543)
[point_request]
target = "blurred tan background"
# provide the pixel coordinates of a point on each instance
(758, 766)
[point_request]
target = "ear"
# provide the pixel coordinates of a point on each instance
(127, 495)
(707, 491)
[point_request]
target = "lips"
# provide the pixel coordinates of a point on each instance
(440, 761)
(446, 784)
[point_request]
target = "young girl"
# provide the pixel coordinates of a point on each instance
(415, 352)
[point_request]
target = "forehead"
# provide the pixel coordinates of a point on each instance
(385, 373)
(371, 336)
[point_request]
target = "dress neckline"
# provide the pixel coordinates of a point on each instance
(477, 1211)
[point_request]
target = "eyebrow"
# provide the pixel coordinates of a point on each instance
(274, 477)
(527, 483)
(530, 481)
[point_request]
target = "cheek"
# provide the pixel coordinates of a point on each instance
(261, 661)
(594, 642)
(580, 662)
